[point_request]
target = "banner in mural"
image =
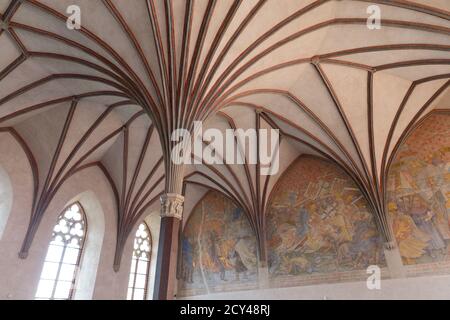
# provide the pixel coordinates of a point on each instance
(218, 249)
(419, 193)
(319, 223)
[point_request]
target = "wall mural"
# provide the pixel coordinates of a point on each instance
(218, 249)
(419, 193)
(318, 223)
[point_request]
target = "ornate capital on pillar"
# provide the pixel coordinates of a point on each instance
(172, 205)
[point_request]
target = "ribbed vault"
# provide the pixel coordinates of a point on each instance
(111, 93)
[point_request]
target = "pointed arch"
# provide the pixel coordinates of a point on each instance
(60, 270)
(138, 283)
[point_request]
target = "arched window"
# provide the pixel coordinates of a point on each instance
(140, 264)
(6, 196)
(58, 276)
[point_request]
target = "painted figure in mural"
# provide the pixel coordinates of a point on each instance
(244, 256)
(302, 214)
(315, 239)
(340, 220)
(425, 220)
(274, 240)
(303, 222)
(291, 260)
(187, 267)
(412, 242)
(366, 242)
(218, 255)
(239, 266)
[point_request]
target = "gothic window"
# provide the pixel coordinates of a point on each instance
(59, 273)
(140, 264)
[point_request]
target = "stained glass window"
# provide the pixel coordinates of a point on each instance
(58, 275)
(140, 264)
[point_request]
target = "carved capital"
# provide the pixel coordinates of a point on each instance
(172, 205)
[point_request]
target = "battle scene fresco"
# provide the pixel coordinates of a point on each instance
(218, 249)
(319, 223)
(419, 193)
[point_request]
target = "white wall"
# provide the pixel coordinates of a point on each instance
(15, 163)
(19, 277)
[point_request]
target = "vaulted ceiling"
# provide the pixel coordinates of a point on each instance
(110, 94)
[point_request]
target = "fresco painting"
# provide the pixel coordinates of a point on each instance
(419, 193)
(318, 223)
(218, 248)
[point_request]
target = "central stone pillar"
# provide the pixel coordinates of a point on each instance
(263, 276)
(394, 260)
(166, 266)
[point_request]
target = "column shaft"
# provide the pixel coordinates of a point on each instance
(394, 260)
(166, 265)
